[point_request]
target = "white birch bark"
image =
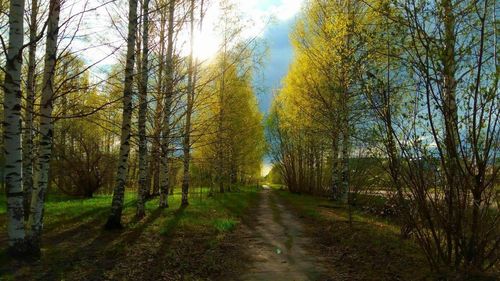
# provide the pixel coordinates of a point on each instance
(28, 149)
(12, 131)
(143, 108)
(164, 168)
(114, 219)
(46, 127)
(189, 109)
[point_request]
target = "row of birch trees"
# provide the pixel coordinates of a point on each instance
(411, 87)
(158, 118)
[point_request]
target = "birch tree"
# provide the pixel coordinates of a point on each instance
(114, 219)
(167, 107)
(449, 134)
(143, 108)
(12, 131)
(154, 173)
(28, 130)
(189, 108)
(46, 127)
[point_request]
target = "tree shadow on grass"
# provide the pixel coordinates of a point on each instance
(98, 215)
(169, 228)
(55, 237)
(134, 233)
(155, 271)
(128, 237)
(98, 256)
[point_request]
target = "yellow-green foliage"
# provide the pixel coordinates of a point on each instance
(232, 125)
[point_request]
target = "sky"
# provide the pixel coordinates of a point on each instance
(277, 63)
(280, 53)
(276, 36)
(269, 20)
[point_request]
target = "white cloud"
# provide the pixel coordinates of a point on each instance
(287, 9)
(257, 13)
(102, 39)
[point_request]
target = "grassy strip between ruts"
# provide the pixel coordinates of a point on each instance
(192, 243)
(369, 250)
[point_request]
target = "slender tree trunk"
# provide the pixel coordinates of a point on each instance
(189, 109)
(220, 125)
(114, 219)
(158, 117)
(12, 131)
(345, 168)
(335, 188)
(346, 112)
(390, 143)
(164, 168)
(143, 110)
(46, 127)
(28, 151)
(61, 182)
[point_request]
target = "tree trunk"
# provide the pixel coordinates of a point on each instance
(164, 168)
(143, 108)
(189, 108)
(114, 219)
(12, 131)
(158, 117)
(345, 168)
(28, 150)
(46, 127)
(335, 187)
(220, 125)
(451, 137)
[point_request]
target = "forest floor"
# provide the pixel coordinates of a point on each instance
(301, 237)
(198, 242)
(244, 235)
(368, 249)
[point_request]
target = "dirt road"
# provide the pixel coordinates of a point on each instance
(277, 245)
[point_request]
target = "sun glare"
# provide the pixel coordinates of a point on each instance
(206, 46)
(266, 169)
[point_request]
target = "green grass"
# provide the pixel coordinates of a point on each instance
(61, 209)
(74, 237)
(225, 225)
(371, 248)
(276, 186)
(3, 204)
(212, 214)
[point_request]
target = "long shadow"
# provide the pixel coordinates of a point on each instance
(136, 232)
(70, 232)
(53, 226)
(128, 238)
(155, 271)
(59, 265)
(95, 252)
(170, 227)
(98, 214)
(75, 219)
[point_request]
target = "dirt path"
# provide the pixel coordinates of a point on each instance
(277, 245)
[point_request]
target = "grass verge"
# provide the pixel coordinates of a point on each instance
(370, 249)
(191, 243)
